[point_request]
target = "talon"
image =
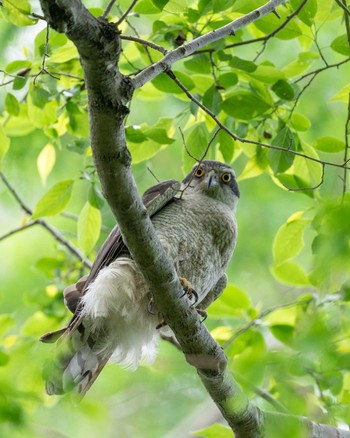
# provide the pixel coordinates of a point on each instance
(161, 324)
(202, 313)
(150, 307)
(188, 290)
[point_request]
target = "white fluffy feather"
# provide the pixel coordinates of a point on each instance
(116, 302)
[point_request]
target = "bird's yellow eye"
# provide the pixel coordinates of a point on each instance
(226, 177)
(199, 172)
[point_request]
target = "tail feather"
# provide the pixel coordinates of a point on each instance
(76, 364)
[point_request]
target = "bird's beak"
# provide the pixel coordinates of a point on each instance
(211, 180)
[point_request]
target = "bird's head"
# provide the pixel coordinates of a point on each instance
(214, 179)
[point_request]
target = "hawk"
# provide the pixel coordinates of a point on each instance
(114, 315)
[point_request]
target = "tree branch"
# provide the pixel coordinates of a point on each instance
(187, 49)
(52, 230)
(258, 143)
(109, 93)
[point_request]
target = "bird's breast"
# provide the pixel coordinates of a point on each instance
(200, 237)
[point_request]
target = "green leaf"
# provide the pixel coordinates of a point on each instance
(157, 134)
(234, 301)
(228, 80)
(244, 7)
(300, 122)
(284, 333)
(341, 45)
(291, 273)
(294, 181)
(269, 23)
(146, 7)
(12, 104)
(16, 11)
(343, 95)
(289, 241)
(283, 90)
(164, 83)
(308, 12)
(55, 200)
(304, 61)
(160, 3)
(16, 66)
(95, 197)
(199, 64)
(214, 431)
(279, 160)
(267, 74)
(212, 99)
(19, 83)
(243, 64)
(42, 117)
(64, 54)
(143, 151)
(79, 145)
(4, 144)
(226, 145)
(135, 134)
(89, 227)
(245, 105)
(329, 144)
(196, 144)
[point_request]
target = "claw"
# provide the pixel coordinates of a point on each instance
(188, 290)
(202, 313)
(150, 307)
(161, 324)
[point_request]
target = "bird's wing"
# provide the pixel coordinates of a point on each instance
(154, 199)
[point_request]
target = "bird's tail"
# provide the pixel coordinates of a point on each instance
(77, 362)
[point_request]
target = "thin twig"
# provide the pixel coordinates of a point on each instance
(153, 174)
(39, 17)
(18, 229)
(52, 230)
(312, 75)
(343, 6)
(194, 158)
(301, 189)
(347, 148)
(144, 43)
(260, 39)
(43, 69)
(108, 8)
(126, 13)
(263, 394)
(263, 314)
(321, 69)
(244, 140)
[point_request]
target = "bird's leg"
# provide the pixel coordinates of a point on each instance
(188, 290)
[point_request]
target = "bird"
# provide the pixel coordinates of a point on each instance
(114, 314)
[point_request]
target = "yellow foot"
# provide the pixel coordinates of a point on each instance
(188, 290)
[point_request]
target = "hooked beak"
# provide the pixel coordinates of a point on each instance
(211, 180)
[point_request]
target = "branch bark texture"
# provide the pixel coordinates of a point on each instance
(109, 92)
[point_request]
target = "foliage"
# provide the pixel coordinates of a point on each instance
(280, 85)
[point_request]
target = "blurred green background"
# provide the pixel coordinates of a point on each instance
(165, 399)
